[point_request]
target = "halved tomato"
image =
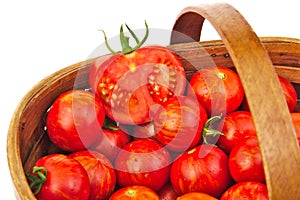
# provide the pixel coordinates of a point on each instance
(131, 82)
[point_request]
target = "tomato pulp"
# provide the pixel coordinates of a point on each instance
(130, 82)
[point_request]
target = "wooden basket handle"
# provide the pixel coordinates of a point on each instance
(276, 134)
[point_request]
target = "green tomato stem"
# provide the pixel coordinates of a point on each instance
(38, 180)
(210, 132)
(124, 40)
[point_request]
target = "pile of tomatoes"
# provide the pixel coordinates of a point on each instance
(142, 131)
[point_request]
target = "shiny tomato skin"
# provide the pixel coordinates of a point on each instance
(102, 176)
(235, 126)
(112, 141)
(75, 120)
(218, 89)
(201, 169)
(130, 84)
(178, 123)
(66, 179)
(196, 196)
(245, 161)
(296, 122)
(136, 192)
(245, 191)
(143, 162)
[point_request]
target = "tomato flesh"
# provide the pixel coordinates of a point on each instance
(129, 84)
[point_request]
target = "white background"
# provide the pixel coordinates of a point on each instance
(39, 37)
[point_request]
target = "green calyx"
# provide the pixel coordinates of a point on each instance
(36, 182)
(208, 131)
(126, 48)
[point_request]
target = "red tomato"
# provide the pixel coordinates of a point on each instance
(201, 169)
(143, 162)
(167, 192)
(102, 176)
(245, 161)
(218, 89)
(112, 141)
(296, 121)
(235, 127)
(178, 123)
(130, 84)
(75, 120)
(289, 92)
(65, 178)
(245, 191)
(136, 192)
(196, 196)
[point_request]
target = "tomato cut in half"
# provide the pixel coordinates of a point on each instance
(130, 84)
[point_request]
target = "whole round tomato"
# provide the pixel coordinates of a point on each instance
(245, 161)
(143, 162)
(218, 89)
(130, 84)
(75, 120)
(57, 176)
(178, 123)
(201, 169)
(102, 176)
(136, 192)
(296, 121)
(196, 196)
(112, 141)
(235, 127)
(289, 93)
(246, 190)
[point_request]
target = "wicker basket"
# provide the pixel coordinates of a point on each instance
(255, 59)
